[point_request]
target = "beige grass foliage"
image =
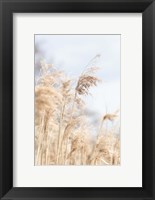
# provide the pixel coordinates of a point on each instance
(62, 133)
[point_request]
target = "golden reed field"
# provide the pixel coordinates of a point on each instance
(63, 135)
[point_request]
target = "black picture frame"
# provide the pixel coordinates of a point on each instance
(7, 8)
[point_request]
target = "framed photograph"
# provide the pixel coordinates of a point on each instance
(77, 99)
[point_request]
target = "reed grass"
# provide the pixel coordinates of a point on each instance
(62, 132)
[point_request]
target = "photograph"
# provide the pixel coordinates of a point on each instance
(77, 99)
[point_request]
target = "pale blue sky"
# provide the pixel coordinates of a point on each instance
(73, 52)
